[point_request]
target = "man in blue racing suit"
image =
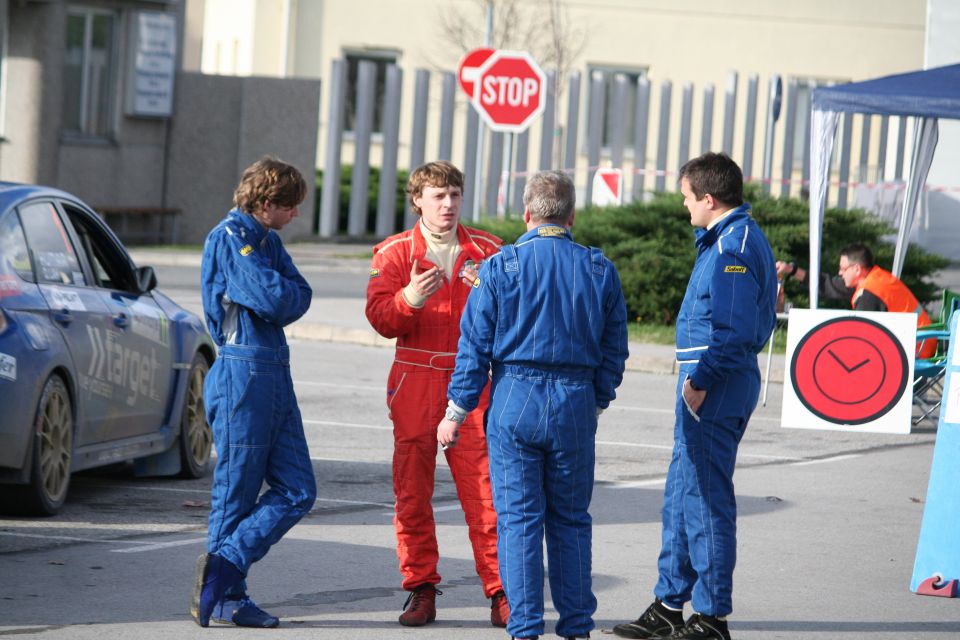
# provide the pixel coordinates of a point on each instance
(727, 314)
(251, 290)
(548, 316)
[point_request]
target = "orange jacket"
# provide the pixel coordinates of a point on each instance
(436, 326)
(897, 297)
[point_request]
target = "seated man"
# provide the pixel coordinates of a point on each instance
(868, 287)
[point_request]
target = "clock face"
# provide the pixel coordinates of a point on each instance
(849, 370)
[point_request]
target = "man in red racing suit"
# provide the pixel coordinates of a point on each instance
(419, 283)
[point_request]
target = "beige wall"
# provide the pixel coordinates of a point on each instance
(685, 41)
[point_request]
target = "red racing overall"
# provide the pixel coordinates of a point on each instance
(417, 398)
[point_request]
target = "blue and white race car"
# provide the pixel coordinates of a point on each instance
(97, 366)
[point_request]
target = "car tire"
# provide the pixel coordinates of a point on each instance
(51, 453)
(196, 436)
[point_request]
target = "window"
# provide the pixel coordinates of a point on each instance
(13, 252)
(53, 254)
(88, 72)
(382, 59)
(109, 263)
(609, 75)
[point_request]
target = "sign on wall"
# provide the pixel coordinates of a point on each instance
(849, 371)
(153, 39)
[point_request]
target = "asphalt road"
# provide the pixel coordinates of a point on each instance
(827, 531)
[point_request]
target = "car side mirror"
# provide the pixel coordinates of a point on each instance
(146, 279)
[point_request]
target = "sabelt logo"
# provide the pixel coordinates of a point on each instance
(8, 367)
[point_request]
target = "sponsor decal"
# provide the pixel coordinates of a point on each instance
(374, 273)
(734, 269)
(9, 286)
(546, 232)
(66, 299)
(151, 327)
(476, 283)
(126, 368)
(8, 367)
(246, 250)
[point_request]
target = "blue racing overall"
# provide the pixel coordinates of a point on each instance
(548, 316)
(728, 312)
(251, 290)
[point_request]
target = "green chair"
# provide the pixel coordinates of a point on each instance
(929, 372)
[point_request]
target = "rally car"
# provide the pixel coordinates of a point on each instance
(97, 366)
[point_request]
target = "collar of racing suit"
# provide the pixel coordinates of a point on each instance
(548, 230)
(707, 237)
(253, 232)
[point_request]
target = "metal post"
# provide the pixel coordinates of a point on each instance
(471, 170)
(573, 117)
(640, 126)
(729, 112)
(594, 129)
(686, 115)
(547, 124)
(749, 131)
(418, 138)
(789, 135)
(508, 167)
(882, 150)
(520, 168)
(846, 122)
(494, 167)
(362, 131)
(666, 88)
(387, 195)
(706, 126)
(330, 197)
(447, 102)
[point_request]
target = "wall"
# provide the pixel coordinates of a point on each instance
(232, 122)
(940, 231)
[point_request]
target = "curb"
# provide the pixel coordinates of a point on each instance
(643, 363)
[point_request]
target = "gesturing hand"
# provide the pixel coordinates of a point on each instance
(426, 283)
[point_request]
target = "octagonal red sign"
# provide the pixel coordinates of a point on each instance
(510, 91)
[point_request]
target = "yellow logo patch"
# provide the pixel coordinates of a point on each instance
(476, 283)
(246, 250)
(734, 269)
(374, 273)
(551, 231)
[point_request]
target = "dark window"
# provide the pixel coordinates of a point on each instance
(382, 60)
(88, 72)
(108, 261)
(53, 254)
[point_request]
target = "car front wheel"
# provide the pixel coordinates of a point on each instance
(196, 437)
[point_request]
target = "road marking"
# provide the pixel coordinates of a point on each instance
(623, 407)
(159, 545)
(847, 456)
(633, 485)
(449, 507)
(670, 447)
(41, 536)
(351, 425)
(337, 385)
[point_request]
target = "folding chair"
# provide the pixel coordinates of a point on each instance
(929, 372)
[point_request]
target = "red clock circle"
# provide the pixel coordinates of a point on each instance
(849, 370)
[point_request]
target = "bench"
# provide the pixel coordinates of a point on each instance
(142, 225)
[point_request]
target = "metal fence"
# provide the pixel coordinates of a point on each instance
(587, 139)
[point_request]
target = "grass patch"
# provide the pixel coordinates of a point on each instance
(666, 334)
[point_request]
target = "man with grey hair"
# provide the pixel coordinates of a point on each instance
(547, 316)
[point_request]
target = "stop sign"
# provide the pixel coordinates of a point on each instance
(469, 66)
(509, 92)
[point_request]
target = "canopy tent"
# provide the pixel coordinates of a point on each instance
(925, 95)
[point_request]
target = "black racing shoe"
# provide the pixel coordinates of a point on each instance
(701, 627)
(656, 622)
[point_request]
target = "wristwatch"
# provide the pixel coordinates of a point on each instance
(454, 415)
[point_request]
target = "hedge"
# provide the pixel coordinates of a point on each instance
(652, 246)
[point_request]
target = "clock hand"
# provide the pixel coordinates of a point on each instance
(857, 366)
(837, 358)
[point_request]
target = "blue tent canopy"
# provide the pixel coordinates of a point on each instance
(930, 93)
(926, 96)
